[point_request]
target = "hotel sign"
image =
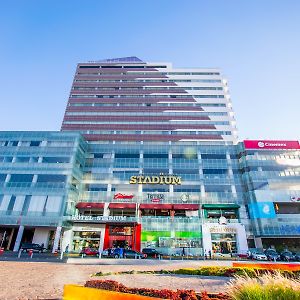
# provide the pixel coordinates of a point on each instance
(222, 229)
(99, 218)
(161, 179)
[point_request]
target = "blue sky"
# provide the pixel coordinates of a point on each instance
(256, 44)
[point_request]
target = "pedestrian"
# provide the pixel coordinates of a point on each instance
(183, 251)
(209, 254)
(121, 252)
(67, 249)
(205, 254)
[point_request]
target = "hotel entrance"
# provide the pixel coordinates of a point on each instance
(224, 243)
(224, 239)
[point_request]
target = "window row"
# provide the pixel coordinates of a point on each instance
(27, 159)
(138, 97)
(29, 178)
(151, 80)
(211, 88)
(150, 104)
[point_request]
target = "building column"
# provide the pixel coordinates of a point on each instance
(206, 239)
(67, 240)
(19, 238)
(106, 210)
(258, 242)
(56, 239)
(10, 238)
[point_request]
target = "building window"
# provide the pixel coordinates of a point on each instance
(56, 160)
(34, 143)
(21, 178)
(51, 178)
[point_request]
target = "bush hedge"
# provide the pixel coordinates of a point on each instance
(214, 271)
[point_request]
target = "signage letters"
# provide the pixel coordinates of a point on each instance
(161, 179)
(98, 218)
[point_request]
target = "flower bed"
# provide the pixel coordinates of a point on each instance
(276, 266)
(161, 294)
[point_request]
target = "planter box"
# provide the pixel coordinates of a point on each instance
(76, 292)
(271, 266)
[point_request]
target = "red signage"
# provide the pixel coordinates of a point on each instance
(123, 196)
(263, 144)
(155, 200)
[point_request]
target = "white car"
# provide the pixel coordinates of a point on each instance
(259, 256)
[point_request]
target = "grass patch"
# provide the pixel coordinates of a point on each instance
(266, 287)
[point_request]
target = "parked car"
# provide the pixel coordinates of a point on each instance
(259, 256)
(272, 255)
(127, 253)
(25, 247)
(109, 252)
(287, 255)
(150, 252)
(297, 256)
(89, 251)
(133, 254)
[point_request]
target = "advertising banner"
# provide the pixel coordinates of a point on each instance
(262, 210)
(268, 144)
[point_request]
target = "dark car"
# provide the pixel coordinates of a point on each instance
(89, 251)
(272, 255)
(297, 256)
(25, 247)
(109, 252)
(133, 254)
(287, 256)
(127, 253)
(150, 252)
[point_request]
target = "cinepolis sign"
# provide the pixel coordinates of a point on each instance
(254, 144)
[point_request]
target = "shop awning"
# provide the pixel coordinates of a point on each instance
(122, 205)
(155, 206)
(185, 206)
(90, 205)
(220, 206)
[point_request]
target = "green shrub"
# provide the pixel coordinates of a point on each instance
(266, 287)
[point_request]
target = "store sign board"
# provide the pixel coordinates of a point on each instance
(123, 196)
(268, 144)
(222, 229)
(99, 218)
(155, 197)
(161, 179)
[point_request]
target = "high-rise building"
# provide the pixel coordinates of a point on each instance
(162, 155)
(127, 99)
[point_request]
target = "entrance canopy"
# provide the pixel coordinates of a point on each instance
(122, 205)
(185, 206)
(220, 206)
(89, 205)
(155, 206)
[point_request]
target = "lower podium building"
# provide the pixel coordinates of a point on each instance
(58, 190)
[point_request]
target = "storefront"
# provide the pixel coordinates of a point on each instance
(99, 232)
(126, 235)
(224, 239)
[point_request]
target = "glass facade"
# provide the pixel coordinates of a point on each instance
(148, 157)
